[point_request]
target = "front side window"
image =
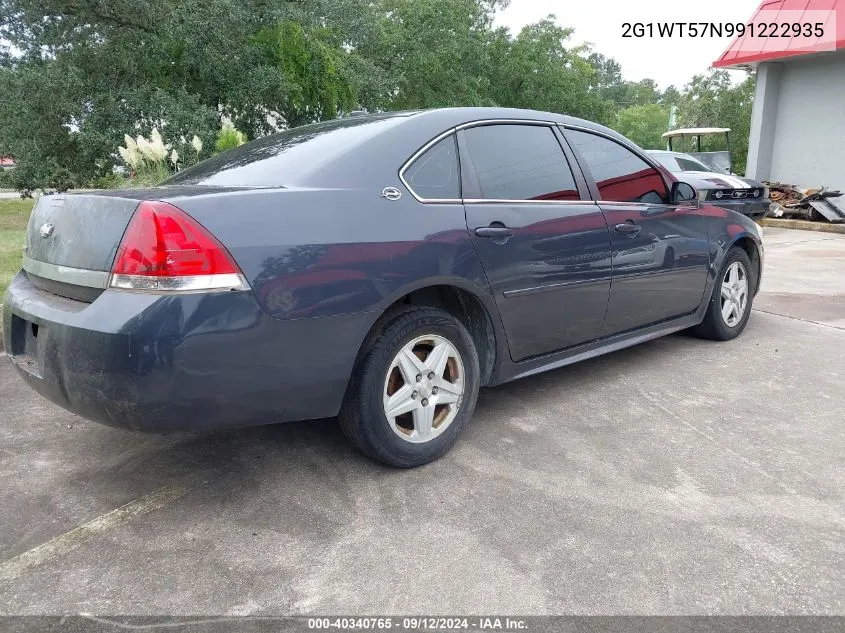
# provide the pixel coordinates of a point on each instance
(434, 175)
(621, 175)
(520, 162)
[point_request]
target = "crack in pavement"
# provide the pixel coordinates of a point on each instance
(795, 318)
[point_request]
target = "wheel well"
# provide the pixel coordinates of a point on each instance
(467, 309)
(750, 248)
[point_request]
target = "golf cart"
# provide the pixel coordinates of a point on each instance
(719, 161)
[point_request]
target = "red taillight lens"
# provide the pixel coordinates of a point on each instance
(166, 249)
(162, 241)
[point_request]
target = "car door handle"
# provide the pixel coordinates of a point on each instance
(494, 232)
(629, 228)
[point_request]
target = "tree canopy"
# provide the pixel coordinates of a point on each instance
(75, 77)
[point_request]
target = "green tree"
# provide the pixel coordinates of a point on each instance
(432, 53)
(644, 124)
(76, 76)
(84, 73)
(712, 100)
(538, 70)
(641, 92)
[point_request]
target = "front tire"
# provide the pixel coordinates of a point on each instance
(730, 304)
(413, 390)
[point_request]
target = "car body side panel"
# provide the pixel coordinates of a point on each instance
(660, 272)
(726, 228)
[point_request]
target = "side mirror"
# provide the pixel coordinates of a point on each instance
(683, 193)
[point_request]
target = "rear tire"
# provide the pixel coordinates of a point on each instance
(730, 303)
(413, 390)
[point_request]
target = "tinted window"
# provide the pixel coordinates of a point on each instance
(520, 162)
(689, 164)
(279, 159)
(434, 175)
(667, 160)
(621, 175)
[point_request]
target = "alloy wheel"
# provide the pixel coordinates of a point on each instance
(734, 297)
(424, 388)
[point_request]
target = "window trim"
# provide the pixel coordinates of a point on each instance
(407, 164)
(574, 169)
(588, 173)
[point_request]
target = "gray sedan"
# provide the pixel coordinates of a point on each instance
(380, 268)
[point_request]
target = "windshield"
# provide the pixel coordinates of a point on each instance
(688, 163)
(678, 163)
(275, 160)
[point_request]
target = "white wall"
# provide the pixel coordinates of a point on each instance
(763, 120)
(808, 147)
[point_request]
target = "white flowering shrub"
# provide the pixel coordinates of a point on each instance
(151, 160)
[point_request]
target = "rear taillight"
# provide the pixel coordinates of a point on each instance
(166, 250)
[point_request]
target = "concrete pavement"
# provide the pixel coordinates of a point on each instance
(677, 477)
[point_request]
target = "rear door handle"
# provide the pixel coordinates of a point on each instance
(494, 232)
(629, 228)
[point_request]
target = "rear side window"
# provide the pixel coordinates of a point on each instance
(434, 175)
(620, 174)
(520, 162)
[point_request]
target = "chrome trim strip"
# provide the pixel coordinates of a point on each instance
(464, 126)
(579, 203)
(538, 289)
(187, 284)
(66, 274)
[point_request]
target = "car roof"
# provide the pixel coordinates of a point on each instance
(372, 145)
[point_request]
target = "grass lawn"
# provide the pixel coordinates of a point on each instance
(14, 214)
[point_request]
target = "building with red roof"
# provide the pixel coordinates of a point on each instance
(798, 120)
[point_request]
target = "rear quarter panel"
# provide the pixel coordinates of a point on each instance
(313, 252)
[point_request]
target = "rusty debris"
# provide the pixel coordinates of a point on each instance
(818, 204)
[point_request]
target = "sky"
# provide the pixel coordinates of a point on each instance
(667, 61)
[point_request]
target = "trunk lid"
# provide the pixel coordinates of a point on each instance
(77, 231)
(72, 239)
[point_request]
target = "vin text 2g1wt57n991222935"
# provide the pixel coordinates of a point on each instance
(381, 268)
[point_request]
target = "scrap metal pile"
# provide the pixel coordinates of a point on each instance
(820, 205)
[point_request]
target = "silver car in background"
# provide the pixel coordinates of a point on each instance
(744, 195)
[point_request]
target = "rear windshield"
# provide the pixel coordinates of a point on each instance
(275, 160)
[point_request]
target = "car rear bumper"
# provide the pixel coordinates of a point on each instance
(755, 209)
(183, 362)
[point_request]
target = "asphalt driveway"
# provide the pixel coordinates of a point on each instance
(677, 477)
